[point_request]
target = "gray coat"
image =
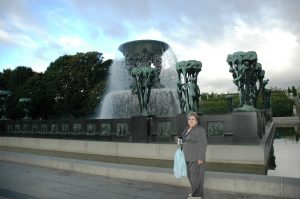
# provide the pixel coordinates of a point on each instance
(194, 144)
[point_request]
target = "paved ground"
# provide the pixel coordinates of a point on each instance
(21, 181)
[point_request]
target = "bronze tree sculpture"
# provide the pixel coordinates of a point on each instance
(248, 76)
(187, 88)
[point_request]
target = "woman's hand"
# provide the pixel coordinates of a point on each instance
(200, 161)
(179, 141)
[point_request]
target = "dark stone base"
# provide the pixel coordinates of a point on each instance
(180, 123)
(140, 129)
(246, 127)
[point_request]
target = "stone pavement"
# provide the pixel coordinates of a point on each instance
(24, 181)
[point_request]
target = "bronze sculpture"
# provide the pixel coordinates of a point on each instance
(187, 89)
(247, 73)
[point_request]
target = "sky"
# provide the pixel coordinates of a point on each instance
(35, 33)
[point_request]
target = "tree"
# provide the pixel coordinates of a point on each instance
(294, 91)
(72, 81)
(18, 76)
(3, 81)
(217, 105)
(13, 80)
(35, 88)
(281, 105)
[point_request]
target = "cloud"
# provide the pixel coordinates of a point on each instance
(277, 50)
(69, 42)
(195, 29)
(17, 39)
(287, 12)
(207, 31)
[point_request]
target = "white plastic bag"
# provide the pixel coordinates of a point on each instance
(179, 164)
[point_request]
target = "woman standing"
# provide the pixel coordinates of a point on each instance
(194, 148)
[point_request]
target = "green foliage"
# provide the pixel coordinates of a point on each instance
(72, 81)
(260, 103)
(294, 91)
(213, 107)
(71, 85)
(4, 80)
(96, 95)
(281, 105)
(35, 88)
(18, 76)
(14, 80)
(217, 104)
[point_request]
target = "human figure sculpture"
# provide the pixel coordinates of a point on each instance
(144, 78)
(194, 93)
(180, 92)
(236, 75)
(246, 73)
(187, 88)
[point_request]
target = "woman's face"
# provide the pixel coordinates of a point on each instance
(192, 121)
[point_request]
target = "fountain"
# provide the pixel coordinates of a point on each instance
(142, 105)
(142, 55)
